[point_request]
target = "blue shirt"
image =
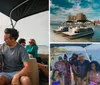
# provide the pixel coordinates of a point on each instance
(82, 68)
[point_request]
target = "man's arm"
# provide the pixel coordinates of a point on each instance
(25, 59)
(87, 78)
(24, 72)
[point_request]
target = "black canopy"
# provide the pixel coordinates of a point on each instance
(28, 8)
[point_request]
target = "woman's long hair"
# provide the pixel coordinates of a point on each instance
(97, 66)
(53, 75)
(33, 41)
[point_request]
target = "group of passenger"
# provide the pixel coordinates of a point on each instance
(62, 66)
(85, 72)
(32, 50)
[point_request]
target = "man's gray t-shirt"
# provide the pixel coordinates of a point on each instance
(14, 58)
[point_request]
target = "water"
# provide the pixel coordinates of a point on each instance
(42, 49)
(91, 38)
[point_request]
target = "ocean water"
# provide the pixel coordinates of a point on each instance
(42, 49)
(91, 38)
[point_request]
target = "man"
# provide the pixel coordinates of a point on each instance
(82, 66)
(16, 67)
(72, 60)
(22, 41)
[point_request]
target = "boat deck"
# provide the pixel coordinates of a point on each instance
(68, 33)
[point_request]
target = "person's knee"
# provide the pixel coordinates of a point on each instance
(3, 80)
(25, 80)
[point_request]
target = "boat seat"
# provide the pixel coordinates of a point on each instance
(34, 76)
(45, 58)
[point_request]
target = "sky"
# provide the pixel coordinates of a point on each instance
(35, 26)
(60, 9)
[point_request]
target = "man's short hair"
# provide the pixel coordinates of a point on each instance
(80, 55)
(21, 40)
(14, 34)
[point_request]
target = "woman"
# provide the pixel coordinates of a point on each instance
(55, 78)
(60, 66)
(32, 49)
(93, 76)
(67, 75)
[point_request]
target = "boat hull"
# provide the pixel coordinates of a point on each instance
(65, 29)
(81, 35)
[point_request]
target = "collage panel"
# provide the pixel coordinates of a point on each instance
(24, 42)
(74, 64)
(74, 21)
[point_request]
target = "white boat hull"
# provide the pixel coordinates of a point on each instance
(77, 35)
(81, 35)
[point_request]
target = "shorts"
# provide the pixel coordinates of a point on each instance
(9, 75)
(80, 76)
(83, 79)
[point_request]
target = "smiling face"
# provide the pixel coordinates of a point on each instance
(7, 39)
(65, 58)
(81, 57)
(56, 73)
(23, 44)
(60, 58)
(31, 42)
(93, 67)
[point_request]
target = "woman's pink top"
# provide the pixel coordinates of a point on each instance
(96, 78)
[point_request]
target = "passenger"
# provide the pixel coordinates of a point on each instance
(93, 76)
(32, 49)
(82, 69)
(55, 78)
(22, 41)
(67, 76)
(60, 66)
(16, 61)
(72, 60)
